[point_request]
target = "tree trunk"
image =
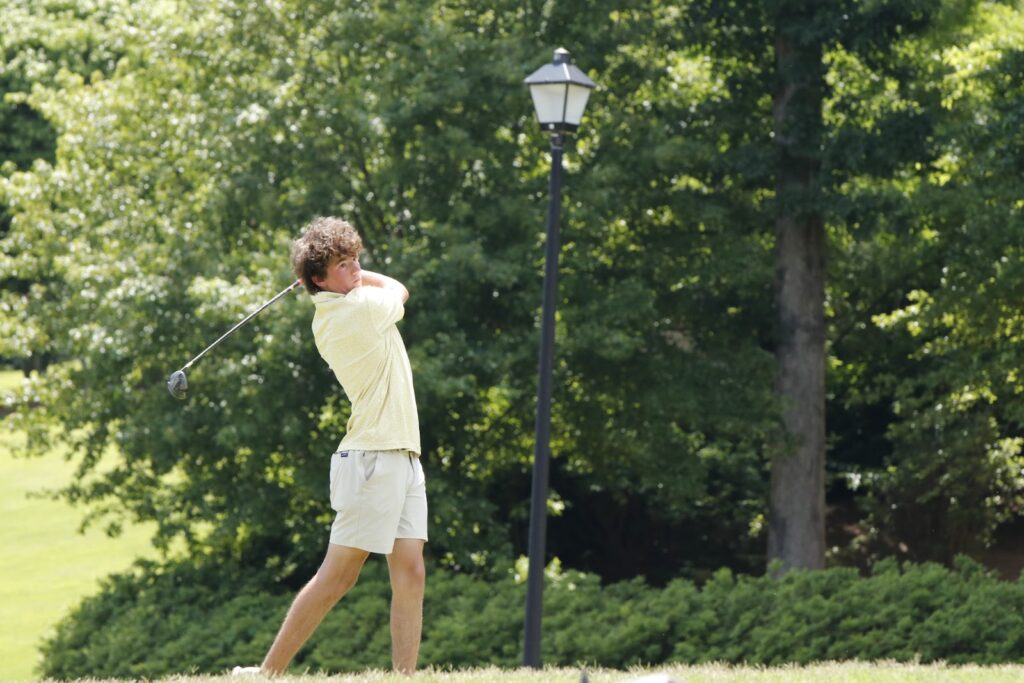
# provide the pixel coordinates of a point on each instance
(796, 531)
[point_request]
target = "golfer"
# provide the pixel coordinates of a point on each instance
(376, 481)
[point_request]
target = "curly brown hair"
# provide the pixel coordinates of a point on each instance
(324, 241)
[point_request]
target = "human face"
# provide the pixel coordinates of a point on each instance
(341, 276)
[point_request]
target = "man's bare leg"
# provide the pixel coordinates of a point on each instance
(337, 574)
(408, 578)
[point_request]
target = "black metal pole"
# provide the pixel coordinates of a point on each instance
(541, 448)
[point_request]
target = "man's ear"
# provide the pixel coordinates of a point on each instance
(318, 281)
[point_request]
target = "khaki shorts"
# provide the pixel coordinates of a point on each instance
(379, 496)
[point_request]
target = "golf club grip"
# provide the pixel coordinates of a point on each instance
(242, 322)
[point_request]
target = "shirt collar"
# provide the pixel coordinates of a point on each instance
(325, 297)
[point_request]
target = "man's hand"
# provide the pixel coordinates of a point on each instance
(372, 279)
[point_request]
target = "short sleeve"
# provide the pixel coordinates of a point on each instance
(384, 306)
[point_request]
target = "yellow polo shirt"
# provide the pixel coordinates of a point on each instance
(357, 336)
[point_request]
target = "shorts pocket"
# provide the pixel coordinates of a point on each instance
(419, 476)
(369, 463)
(345, 481)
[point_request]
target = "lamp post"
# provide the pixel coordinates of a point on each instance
(559, 91)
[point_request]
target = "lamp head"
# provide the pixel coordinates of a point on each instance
(560, 91)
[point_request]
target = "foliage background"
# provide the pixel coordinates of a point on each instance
(159, 157)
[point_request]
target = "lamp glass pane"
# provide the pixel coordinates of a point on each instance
(578, 96)
(549, 101)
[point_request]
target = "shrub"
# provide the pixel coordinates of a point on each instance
(916, 612)
(157, 619)
(160, 620)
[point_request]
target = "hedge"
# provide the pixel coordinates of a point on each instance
(162, 620)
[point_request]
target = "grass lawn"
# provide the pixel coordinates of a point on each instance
(46, 566)
(824, 673)
(9, 379)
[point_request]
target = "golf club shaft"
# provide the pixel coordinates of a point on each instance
(244, 321)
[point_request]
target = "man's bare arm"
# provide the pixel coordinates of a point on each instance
(372, 279)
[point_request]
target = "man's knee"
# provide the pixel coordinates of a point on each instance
(336, 583)
(415, 572)
(409, 572)
(345, 583)
(340, 571)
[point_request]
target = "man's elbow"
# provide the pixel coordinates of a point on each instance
(399, 289)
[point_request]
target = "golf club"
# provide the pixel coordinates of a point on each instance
(177, 383)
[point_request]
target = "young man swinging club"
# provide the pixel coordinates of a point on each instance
(376, 481)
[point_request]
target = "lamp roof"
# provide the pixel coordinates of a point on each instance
(560, 70)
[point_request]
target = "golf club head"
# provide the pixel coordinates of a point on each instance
(177, 384)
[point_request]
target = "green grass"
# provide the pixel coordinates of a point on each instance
(824, 673)
(46, 566)
(9, 379)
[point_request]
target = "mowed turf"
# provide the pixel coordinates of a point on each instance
(823, 673)
(46, 566)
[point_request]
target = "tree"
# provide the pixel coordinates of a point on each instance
(166, 218)
(939, 327)
(37, 41)
(796, 533)
(180, 179)
(812, 191)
